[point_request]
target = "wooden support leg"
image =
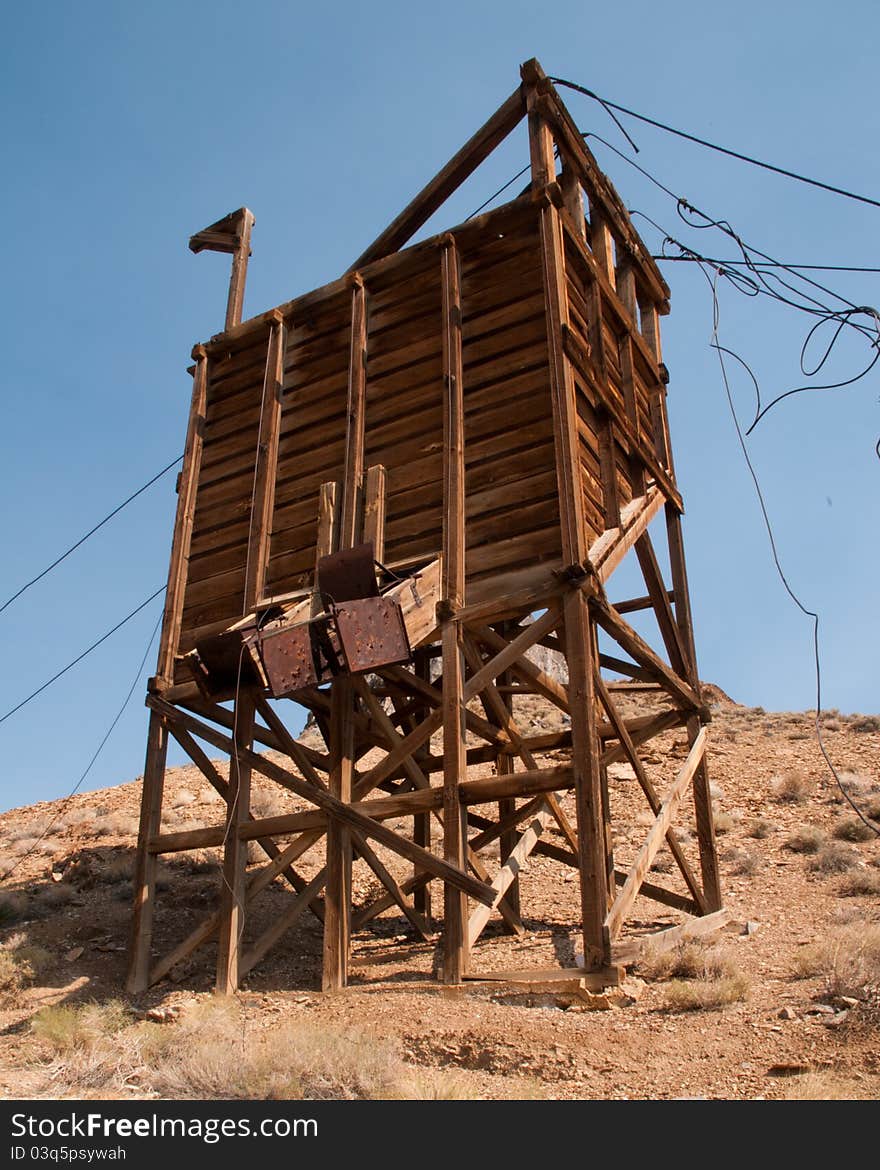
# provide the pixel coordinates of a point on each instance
(579, 640)
(702, 799)
(145, 869)
(232, 895)
(455, 945)
(337, 896)
(422, 821)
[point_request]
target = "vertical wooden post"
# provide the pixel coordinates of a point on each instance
(233, 891)
(374, 510)
(506, 806)
(354, 436)
(145, 867)
(573, 198)
(580, 640)
(455, 944)
(337, 894)
(265, 468)
(579, 633)
(422, 821)
(238, 276)
(702, 797)
(183, 522)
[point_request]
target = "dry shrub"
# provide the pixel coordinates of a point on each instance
(790, 787)
(724, 822)
(20, 963)
(53, 897)
(118, 869)
(807, 839)
(743, 863)
(182, 798)
(865, 723)
(269, 802)
(759, 829)
(853, 829)
(704, 994)
(212, 1053)
(826, 1085)
(115, 824)
(834, 857)
(864, 883)
(664, 862)
(13, 907)
(697, 976)
(872, 808)
(28, 832)
(848, 960)
(856, 783)
(23, 845)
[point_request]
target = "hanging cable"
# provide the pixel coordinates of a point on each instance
(720, 351)
(61, 811)
(80, 657)
(91, 532)
(608, 105)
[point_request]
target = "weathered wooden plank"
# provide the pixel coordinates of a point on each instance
(656, 836)
(462, 164)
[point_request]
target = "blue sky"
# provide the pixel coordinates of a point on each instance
(126, 128)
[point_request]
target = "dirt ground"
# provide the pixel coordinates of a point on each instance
(790, 1036)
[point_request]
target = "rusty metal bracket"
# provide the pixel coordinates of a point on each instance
(347, 575)
(371, 633)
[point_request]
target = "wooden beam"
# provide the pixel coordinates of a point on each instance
(337, 895)
(144, 880)
(328, 803)
(183, 523)
(669, 630)
(639, 869)
(374, 510)
(282, 923)
(454, 702)
(232, 894)
(354, 435)
(626, 636)
(262, 499)
(628, 951)
(462, 164)
(650, 792)
(238, 275)
(581, 653)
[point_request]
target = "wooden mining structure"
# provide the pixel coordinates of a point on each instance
(393, 488)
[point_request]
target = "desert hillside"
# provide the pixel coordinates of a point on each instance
(785, 1002)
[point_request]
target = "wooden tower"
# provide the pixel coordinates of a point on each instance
(394, 488)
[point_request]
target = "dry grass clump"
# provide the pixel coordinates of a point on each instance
(865, 723)
(790, 787)
(865, 883)
(115, 824)
(848, 960)
(13, 907)
(826, 1086)
(833, 857)
(760, 829)
(853, 829)
(856, 783)
(697, 977)
(807, 839)
(20, 963)
(743, 863)
(724, 822)
(182, 797)
(212, 1053)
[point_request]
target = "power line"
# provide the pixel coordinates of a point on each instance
(721, 350)
(714, 146)
(80, 657)
(91, 532)
(61, 811)
(789, 264)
